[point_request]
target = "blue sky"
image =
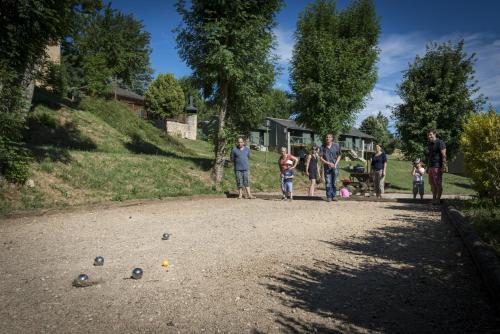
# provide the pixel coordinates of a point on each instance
(407, 26)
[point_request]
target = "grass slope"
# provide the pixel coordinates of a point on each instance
(103, 152)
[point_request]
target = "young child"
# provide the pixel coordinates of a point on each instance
(287, 177)
(344, 192)
(418, 172)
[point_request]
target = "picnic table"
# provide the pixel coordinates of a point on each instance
(361, 182)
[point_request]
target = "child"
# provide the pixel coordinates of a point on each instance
(418, 172)
(344, 192)
(287, 177)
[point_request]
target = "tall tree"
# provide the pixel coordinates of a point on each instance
(228, 45)
(165, 97)
(333, 63)
(377, 126)
(28, 27)
(108, 46)
(438, 91)
(278, 103)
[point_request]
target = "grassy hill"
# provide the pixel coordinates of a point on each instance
(103, 152)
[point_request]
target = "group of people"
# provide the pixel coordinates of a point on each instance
(329, 155)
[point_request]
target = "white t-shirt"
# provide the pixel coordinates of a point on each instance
(419, 175)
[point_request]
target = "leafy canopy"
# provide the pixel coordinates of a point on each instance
(333, 63)
(165, 97)
(438, 91)
(105, 46)
(377, 126)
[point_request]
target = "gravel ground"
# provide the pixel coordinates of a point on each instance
(241, 266)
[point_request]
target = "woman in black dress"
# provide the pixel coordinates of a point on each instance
(312, 168)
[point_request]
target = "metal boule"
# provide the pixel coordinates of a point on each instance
(83, 278)
(137, 273)
(165, 236)
(99, 261)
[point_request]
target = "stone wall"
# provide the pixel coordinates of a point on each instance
(186, 130)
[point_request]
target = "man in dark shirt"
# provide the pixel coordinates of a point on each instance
(240, 155)
(329, 154)
(437, 164)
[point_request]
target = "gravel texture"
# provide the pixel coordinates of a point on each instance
(240, 266)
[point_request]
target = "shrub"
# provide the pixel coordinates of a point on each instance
(165, 97)
(480, 143)
(14, 157)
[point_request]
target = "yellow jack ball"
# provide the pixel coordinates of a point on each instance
(165, 263)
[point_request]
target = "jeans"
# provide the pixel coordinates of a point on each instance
(288, 186)
(330, 181)
(378, 182)
(418, 188)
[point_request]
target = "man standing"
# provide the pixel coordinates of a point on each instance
(239, 156)
(330, 156)
(436, 165)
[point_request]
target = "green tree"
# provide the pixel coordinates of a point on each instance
(278, 104)
(106, 46)
(377, 126)
(228, 45)
(438, 92)
(333, 64)
(28, 27)
(165, 97)
(480, 143)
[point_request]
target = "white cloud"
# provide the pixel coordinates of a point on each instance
(284, 47)
(380, 100)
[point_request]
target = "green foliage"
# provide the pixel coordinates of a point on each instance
(377, 126)
(28, 26)
(438, 92)
(54, 79)
(107, 45)
(228, 45)
(165, 97)
(333, 63)
(480, 143)
(278, 104)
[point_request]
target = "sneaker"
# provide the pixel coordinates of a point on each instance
(283, 198)
(328, 199)
(335, 199)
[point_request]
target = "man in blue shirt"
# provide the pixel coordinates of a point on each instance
(239, 156)
(330, 155)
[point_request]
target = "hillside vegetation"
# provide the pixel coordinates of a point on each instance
(103, 152)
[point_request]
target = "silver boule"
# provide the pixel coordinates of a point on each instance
(165, 236)
(99, 261)
(137, 273)
(83, 278)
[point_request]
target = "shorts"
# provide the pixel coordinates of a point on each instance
(435, 176)
(242, 178)
(288, 186)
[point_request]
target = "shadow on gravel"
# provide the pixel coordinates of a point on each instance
(411, 277)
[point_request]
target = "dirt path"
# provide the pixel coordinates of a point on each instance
(241, 266)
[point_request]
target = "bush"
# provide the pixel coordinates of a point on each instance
(480, 143)
(165, 97)
(14, 157)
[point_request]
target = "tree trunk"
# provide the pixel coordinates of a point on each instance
(220, 139)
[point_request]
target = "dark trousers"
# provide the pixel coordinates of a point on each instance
(330, 180)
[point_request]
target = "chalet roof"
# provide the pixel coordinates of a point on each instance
(289, 123)
(353, 132)
(127, 94)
